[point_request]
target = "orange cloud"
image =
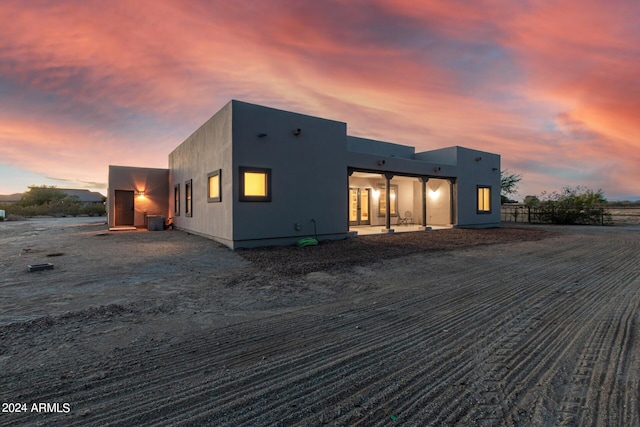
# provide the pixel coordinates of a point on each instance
(552, 86)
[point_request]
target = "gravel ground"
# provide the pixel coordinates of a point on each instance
(342, 255)
(516, 326)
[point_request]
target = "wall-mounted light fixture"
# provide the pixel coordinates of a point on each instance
(478, 159)
(297, 131)
(375, 193)
(381, 162)
(437, 169)
(262, 135)
(141, 194)
(494, 169)
(433, 194)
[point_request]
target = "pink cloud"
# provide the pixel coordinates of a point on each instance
(551, 83)
(67, 153)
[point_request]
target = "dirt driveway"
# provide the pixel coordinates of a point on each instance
(454, 327)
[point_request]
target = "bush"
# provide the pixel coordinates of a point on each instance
(93, 210)
(51, 201)
(574, 205)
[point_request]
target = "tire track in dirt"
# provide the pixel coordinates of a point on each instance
(605, 356)
(481, 350)
(164, 355)
(500, 355)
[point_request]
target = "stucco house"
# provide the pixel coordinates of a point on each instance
(258, 176)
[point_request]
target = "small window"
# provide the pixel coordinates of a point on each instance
(213, 184)
(255, 184)
(484, 199)
(382, 200)
(176, 200)
(187, 198)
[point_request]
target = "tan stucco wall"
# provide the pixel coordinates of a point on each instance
(472, 172)
(309, 174)
(154, 182)
(206, 150)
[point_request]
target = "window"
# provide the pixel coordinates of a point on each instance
(484, 199)
(176, 200)
(213, 184)
(382, 200)
(187, 198)
(255, 184)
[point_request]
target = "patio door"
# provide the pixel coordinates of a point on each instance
(359, 206)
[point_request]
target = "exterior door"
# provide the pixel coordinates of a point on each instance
(359, 206)
(124, 207)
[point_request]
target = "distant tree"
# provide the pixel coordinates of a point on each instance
(43, 195)
(44, 200)
(508, 184)
(532, 201)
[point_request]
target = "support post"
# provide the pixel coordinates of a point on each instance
(387, 195)
(424, 181)
(452, 182)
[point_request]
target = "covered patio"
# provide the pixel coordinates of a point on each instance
(413, 203)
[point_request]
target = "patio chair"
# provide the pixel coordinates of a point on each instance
(407, 219)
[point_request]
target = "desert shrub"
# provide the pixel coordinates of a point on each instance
(27, 211)
(93, 210)
(573, 205)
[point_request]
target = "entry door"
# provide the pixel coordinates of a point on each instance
(359, 206)
(124, 207)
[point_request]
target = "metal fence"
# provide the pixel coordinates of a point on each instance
(601, 215)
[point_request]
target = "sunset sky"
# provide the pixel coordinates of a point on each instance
(552, 86)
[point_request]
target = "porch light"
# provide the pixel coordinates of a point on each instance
(141, 194)
(433, 194)
(375, 193)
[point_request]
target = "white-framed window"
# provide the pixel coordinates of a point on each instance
(214, 186)
(484, 199)
(176, 200)
(188, 199)
(255, 184)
